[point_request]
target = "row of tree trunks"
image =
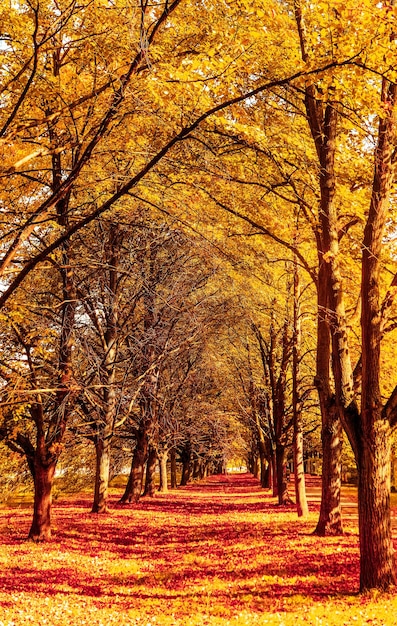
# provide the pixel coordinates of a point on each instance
(145, 456)
(275, 474)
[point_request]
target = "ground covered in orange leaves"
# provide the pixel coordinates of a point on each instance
(218, 552)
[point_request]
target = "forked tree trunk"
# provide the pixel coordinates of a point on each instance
(163, 456)
(102, 469)
(147, 398)
(368, 432)
(40, 529)
(150, 482)
(45, 460)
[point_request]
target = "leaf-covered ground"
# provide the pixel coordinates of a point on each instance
(218, 552)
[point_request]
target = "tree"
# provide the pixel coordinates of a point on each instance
(37, 376)
(368, 426)
(108, 292)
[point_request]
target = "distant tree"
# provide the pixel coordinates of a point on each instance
(108, 290)
(169, 318)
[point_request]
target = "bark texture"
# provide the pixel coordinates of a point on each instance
(133, 488)
(40, 529)
(150, 482)
(299, 473)
(102, 468)
(374, 462)
(174, 481)
(163, 457)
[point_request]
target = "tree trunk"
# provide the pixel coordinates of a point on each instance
(261, 459)
(330, 519)
(40, 529)
(369, 433)
(263, 471)
(174, 482)
(196, 469)
(256, 467)
(105, 424)
(220, 466)
(299, 474)
(186, 456)
(163, 472)
(102, 451)
(376, 549)
(322, 119)
(150, 483)
(133, 489)
(49, 435)
(282, 483)
(147, 397)
(186, 468)
(274, 475)
(268, 475)
(279, 390)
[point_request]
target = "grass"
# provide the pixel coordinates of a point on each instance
(215, 553)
